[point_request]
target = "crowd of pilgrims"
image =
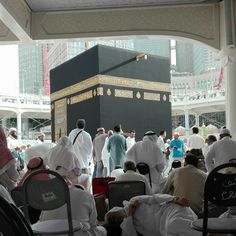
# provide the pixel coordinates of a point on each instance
(178, 171)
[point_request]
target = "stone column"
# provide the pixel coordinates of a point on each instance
(19, 126)
(186, 116)
(230, 69)
(228, 60)
(197, 119)
(25, 127)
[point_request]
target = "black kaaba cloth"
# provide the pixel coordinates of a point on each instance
(108, 86)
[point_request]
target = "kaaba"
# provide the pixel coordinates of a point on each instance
(107, 86)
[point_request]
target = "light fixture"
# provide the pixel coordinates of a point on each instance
(141, 56)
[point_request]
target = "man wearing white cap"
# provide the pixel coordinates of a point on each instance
(12, 142)
(221, 151)
(40, 138)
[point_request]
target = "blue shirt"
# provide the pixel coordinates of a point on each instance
(178, 147)
(117, 147)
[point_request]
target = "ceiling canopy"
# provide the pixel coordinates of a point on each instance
(61, 5)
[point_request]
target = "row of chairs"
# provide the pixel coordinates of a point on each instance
(220, 189)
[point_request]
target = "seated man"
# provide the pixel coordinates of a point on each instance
(82, 207)
(36, 163)
(187, 182)
(131, 174)
(159, 214)
(117, 172)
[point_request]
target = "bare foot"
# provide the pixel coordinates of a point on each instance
(182, 201)
(132, 207)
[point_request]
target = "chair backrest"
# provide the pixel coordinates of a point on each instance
(46, 194)
(118, 191)
(143, 169)
(12, 221)
(220, 186)
(100, 185)
(220, 189)
(17, 196)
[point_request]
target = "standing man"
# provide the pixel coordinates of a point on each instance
(209, 141)
(177, 147)
(82, 144)
(117, 148)
(12, 142)
(161, 141)
(106, 155)
(148, 151)
(130, 141)
(221, 151)
(195, 140)
(98, 144)
(40, 138)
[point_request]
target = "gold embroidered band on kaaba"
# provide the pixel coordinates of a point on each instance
(114, 81)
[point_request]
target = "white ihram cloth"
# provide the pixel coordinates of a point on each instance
(220, 152)
(130, 142)
(147, 151)
(196, 141)
(63, 155)
(83, 210)
(161, 143)
(37, 151)
(106, 156)
(158, 215)
(12, 143)
(6, 195)
(98, 144)
(83, 146)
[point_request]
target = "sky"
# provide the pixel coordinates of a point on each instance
(9, 70)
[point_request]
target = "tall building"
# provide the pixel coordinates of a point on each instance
(204, 59)
(194, 59)
(158, 47)
(33, 82)
(184, 57)
(63, 51)
(31, 69)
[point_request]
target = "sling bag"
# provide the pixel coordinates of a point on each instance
(76, 136)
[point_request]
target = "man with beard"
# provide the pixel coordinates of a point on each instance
(12, 142)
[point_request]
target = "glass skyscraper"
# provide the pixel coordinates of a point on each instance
(31, 69)
(194, 59)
